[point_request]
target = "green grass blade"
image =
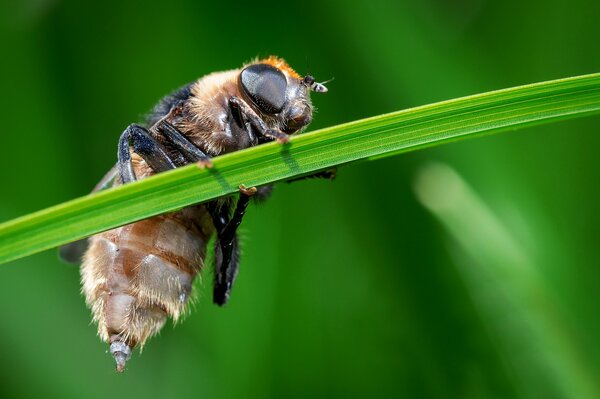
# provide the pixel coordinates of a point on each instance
(369, 138)
(506, 282)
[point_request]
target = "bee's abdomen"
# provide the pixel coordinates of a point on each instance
(136, 276)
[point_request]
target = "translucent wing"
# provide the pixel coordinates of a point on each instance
(73, 251)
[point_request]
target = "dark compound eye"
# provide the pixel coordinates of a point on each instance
(266, 86)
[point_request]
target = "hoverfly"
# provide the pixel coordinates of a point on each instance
(136, 276)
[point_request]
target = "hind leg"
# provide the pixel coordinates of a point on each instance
(227, 264)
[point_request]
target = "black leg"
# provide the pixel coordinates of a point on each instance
(226, 270)
(152, 152)
(262, 194)
(182, 143)
(256, 121)
(328, 174)
(227, 234)
(226, 265)
(219, 214)
(147, 147)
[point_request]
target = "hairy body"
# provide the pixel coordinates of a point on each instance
(136, 276)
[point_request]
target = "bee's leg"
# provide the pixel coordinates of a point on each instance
(262, 194)
(226, 265)
(236, 105)
(147, 147)
(328, 174)
(226, 270)
(142, 144)
(182, 143)
(220, 217)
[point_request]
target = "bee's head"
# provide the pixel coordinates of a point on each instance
(278, 91)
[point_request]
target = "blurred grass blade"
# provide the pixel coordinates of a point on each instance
(506, 285)
(370, 138)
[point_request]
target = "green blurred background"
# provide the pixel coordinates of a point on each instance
(465, 271)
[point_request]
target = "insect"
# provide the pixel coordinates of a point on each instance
(136, 276)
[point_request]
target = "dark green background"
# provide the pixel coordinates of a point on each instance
(347, 289)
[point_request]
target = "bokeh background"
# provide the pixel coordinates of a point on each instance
(465, 271)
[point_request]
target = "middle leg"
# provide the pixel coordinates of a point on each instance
(182, 144)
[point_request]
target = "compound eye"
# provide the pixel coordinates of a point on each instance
(266, 86)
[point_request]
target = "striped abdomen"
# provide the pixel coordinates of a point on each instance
(136, 276)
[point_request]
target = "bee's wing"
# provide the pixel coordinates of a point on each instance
(108, 180)
(73, 251)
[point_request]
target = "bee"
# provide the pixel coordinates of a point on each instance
(136, 276)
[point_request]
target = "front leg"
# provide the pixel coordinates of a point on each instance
(238, 106)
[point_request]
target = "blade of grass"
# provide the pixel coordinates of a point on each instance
(369, 138)
(506, 283)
